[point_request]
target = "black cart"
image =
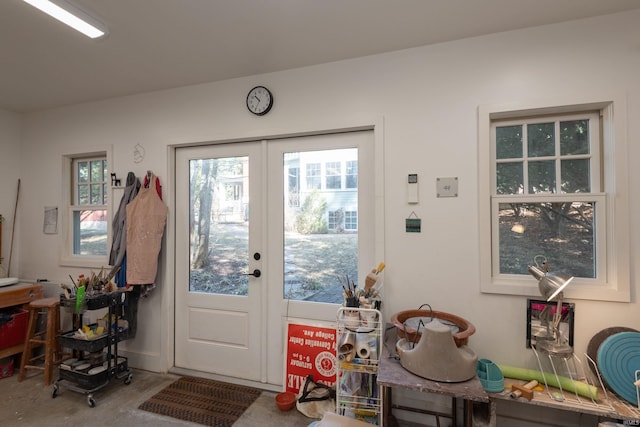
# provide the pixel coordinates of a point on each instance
(95, 362)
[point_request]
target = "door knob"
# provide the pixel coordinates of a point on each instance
(256, 273)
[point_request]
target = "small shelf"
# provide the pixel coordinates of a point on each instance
(358, 348)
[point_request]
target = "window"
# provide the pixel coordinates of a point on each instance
(352, 174)
(313, 176)
(351, 220)
(548, 176)
(87, 219)
(293, 191)
(334, 175)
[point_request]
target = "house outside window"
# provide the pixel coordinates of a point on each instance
(551, 190)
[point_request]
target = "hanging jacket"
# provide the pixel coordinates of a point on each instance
(119, 241)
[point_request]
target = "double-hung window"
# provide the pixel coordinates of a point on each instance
(86, 220)
(550, 192)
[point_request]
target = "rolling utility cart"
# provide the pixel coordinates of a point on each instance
(95, 360)
(359, 341)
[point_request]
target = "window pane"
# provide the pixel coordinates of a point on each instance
(90, 232)
(542, 177)
(509, 142)
(352, 174)
(321, 240)
(509, 178)
(574, 137)
(313, 176)
(96, 171)
(575, 176)
(96, 194)
(83, 195)
(541, 140)
(334, 176)
(562, 232)
(83, 172)
(293, 186)
(219, 225)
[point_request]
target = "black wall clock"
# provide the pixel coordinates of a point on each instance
(259, 100)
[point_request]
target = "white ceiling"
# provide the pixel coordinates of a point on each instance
(159, 44)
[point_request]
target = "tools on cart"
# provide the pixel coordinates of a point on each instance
(95, 359)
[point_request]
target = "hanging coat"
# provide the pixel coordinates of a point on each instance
(146, 220)
(119, 245)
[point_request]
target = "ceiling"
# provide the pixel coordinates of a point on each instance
(160, 44)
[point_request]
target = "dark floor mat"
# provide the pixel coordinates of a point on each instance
(202, 401)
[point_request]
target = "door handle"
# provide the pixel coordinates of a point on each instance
(256, 273)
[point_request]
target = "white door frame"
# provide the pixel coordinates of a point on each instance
(167, 339)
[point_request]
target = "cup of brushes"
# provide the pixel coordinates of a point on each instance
(355, 297)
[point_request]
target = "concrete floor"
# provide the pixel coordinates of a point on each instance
(30, 403)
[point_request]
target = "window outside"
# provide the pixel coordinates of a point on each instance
(545, 178)
(89, 207)
(321, 230)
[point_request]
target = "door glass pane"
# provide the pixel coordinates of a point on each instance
(563, 232)
(219, 225)
(321, 227)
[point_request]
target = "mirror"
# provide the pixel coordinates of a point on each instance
(539, 319)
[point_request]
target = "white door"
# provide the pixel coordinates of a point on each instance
(301, 211)
(218, 243)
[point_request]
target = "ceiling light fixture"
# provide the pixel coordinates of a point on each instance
(70, 15)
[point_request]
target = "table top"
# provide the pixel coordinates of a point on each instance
(19, 293)
(392, 374)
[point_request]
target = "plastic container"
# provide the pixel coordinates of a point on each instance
(285, 401)
(13, 332)
(490, 376)
(6, 367)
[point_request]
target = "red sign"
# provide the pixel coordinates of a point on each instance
(311, 350)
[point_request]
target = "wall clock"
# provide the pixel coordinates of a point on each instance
(259, 100)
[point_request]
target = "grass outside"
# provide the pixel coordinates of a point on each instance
(312, 264)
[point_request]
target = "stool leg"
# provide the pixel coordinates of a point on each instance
(26, 351)
(58, 350)
(49, 346)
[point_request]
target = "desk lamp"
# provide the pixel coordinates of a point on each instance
(551, 286)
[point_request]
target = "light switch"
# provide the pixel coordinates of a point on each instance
(447, 187)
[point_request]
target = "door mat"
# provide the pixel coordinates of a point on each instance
(202, 401)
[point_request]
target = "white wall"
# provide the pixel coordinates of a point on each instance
(428, 98)
(10, 125)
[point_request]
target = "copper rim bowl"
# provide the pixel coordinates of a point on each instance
(466, 328)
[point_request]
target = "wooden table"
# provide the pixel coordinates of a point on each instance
(391, 375)
(16, 296)
(607, 406)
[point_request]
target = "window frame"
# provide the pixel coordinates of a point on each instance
(69, 187)
(612, 201)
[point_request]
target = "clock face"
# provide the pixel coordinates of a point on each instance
(259, 100)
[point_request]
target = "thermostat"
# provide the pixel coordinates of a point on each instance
(412, 188)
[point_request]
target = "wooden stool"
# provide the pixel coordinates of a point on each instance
(47, 338)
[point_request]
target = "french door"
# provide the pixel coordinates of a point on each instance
(262, 230)
(218, 239)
